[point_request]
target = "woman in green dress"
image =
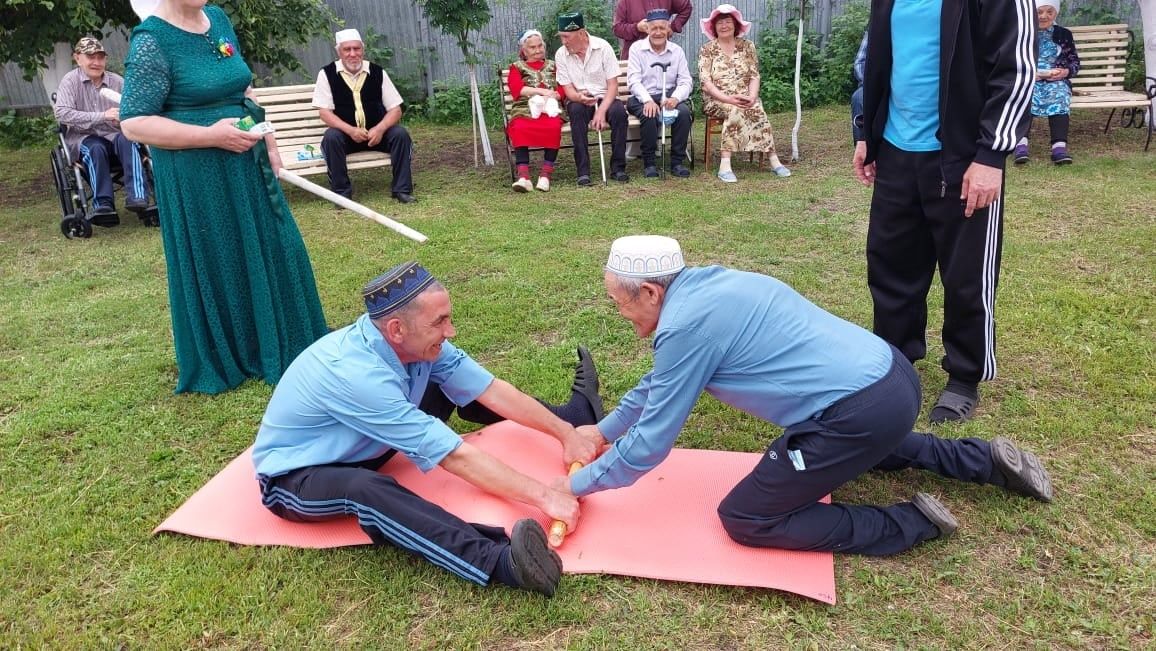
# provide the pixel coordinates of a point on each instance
(241, 291)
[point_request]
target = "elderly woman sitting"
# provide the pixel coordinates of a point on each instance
(728, 70)
(536, 118)
(1052, 95)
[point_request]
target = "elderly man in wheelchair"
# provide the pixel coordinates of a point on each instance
(91, 136)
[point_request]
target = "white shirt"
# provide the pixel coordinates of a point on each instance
(646, 80)
(589, 74)
(323, 94)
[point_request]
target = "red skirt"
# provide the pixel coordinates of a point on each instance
(545, 132)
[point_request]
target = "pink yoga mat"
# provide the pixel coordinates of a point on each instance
(663, 527)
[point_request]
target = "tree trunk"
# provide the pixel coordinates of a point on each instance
(487, 153)
(56, 65)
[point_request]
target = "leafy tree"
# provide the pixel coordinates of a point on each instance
(268, 29)
(596, 14)
(457, 18)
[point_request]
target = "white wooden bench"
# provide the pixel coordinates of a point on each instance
(1103, 51)
(633, 130)
(298, 124)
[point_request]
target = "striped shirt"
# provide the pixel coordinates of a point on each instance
(80, 107)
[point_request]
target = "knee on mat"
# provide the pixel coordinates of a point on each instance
(749, 530)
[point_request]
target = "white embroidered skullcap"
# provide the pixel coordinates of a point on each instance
(347, 35)
(1054, 4)
(645, 256)
(527, 34)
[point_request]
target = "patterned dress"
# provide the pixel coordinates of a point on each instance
(241, 291)
(743, 129)
(1051, 97)
(525, 131)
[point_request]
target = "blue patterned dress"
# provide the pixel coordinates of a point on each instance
(1052, 97)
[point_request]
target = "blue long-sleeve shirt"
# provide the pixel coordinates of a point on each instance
(750, 341)
(348, 398)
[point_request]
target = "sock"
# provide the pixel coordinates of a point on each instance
(504, 570)
(724, 165)
(523, 171)
(1023, 141)
(576, 412)
(547, 169)
(969, 389)
(1059, 143)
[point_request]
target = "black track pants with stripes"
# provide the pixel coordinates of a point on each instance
(916, 224)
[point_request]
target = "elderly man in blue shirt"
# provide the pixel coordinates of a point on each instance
(846, 399)
(659, 80)
(386, 384)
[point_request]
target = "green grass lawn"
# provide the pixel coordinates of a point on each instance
(95, 450)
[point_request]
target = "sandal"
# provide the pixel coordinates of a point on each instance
(952, 407)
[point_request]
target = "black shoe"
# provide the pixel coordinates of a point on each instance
(1021, 470)
(536, 567)
(956, 404)
(621, 177)
(136, 205)
(584, 181)
(104, 214)
(680, 171)
(934, 510)
(586, 383)
(404, 197)
(650, 172)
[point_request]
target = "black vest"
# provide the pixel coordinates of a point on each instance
(371, 100)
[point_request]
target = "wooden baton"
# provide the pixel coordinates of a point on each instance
(558, 528)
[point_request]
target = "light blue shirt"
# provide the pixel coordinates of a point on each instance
(750, 341)
(645, 80)
(348, 398)
(913, 106)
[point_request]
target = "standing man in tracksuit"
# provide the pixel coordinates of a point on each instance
(947, 86)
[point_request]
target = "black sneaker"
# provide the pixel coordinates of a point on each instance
(104, 214)
(136, 205)
(621, 177)
(586, 382)
(584, 181)
(934, 510)
(536, 567)
(1021, 470)
(650, 172)
(680, 171)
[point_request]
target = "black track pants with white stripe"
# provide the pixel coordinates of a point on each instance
(916, 224)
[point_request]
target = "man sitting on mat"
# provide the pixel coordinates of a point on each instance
(846, 399)
(386, 384)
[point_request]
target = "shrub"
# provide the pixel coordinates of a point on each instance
(597, 15)
(450, 104)
(18, 131)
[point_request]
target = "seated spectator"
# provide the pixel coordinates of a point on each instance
(588, 73)
(660, 83)
(93, 136)
(1058, 62)
(728, 70)
(537, 120)
(362, 108)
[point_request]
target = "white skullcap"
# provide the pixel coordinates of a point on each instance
(645, 256)
(527, 34)
(347, 35)
(1054, 4)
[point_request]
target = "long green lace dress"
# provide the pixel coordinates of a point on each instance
(241, 290)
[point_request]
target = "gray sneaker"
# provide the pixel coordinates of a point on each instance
(1022, 470)
(934, 510)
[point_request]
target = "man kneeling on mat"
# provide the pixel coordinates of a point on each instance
(386, 384)
(846, 399)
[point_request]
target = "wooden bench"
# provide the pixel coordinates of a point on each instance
(1103, 51)
(633, 132)
(298, 124)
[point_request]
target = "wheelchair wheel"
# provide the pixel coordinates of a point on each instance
(72, 227)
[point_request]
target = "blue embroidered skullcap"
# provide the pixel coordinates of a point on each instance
(657, 14)
(395, 288)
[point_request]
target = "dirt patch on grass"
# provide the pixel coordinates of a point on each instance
(26, 192)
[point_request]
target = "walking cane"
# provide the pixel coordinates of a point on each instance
(602, 158)
(662, 114)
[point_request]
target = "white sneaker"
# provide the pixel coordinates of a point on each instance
(543, 184)
(522, 185)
